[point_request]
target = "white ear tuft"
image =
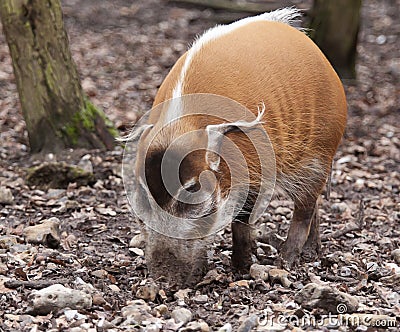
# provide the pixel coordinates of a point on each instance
(216, 133)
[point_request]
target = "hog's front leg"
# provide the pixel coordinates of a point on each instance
(243, 243)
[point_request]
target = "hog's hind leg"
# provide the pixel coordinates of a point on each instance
(303, 236)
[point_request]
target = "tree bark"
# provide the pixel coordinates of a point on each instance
(334, 27)
(56, 112)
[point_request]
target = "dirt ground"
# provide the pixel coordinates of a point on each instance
(123, 50)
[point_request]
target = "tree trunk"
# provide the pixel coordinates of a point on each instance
(56, 112)
(334, 28)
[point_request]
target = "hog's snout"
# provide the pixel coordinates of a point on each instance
(179, 261)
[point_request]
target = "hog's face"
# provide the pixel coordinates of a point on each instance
(179, 188)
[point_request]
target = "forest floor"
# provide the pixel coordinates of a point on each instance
(123, 50)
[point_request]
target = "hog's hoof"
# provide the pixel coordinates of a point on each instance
(311, 252)
(241, 263)
(289, 257)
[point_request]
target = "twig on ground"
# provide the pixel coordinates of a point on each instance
(35, 284)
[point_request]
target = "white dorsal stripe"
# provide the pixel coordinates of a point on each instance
(284, 15)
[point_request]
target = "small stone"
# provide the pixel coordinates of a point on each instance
(200, 299)
(339, 207)
(359, 184)
(106, 211)
(381, 39)
(281, 276)
(161, 309)
(70, 314)
(97, 299)
(56, 297)
(138, 241)
(135, 310)
(396, 255)
(258, 271)
(89, 87)
(148, 291)
(248, 324)
(240, 283)
(55, 193)
(268, 249)
(3, 269)
(7, 241)
(114, 288)
(196, 326)
(47, 233)
(344, 271)
(326, 297)
(86, 164)
(226, 328)
(182, 294)
(181, 315)
(6, 196)
(99, 274)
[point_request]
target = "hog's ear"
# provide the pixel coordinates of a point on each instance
(216, 133)
(135, 134)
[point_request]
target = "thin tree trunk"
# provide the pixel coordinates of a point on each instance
(334, 27)
(56, 112)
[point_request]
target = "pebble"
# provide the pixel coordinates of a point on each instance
(181, 315)
(268, 249)
(161, 309)
(248, 324)
(396, 255)
(6, 196)
(3, 269)
(339, 207)
(200, 299)
(114, 288)
(138, 241)
(86, 164)
(281, 276)
(240, 283)
(182, 294)
(226, 328)
(56, 297)
(99, 273)
(55, 193)
(89, 87)
(135, 312)
(148, 291)
(7, 241)
(314, 296)
(258, 271)
(196, 326)
(47, 233)
(344, 271)
(98, 299)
